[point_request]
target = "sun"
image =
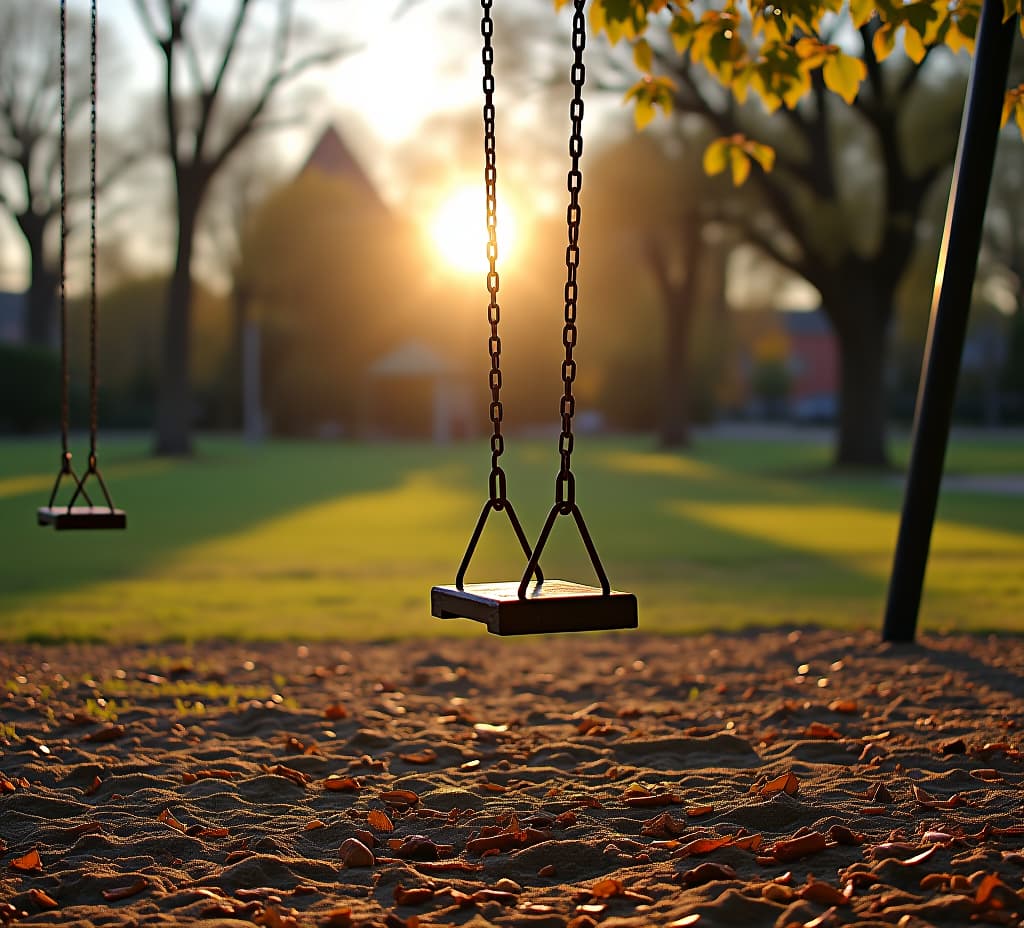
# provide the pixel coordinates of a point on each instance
(458, 231)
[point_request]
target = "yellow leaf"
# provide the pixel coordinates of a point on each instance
(843, 75)
(884, 41)
(957, 41)
(643, 57)
(763, 154)
(643, 112)
(913, 44)
(716, 156)
(860, 11)
(739, 162)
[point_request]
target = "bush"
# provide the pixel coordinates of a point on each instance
(29, 389)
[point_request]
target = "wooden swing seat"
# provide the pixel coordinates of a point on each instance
(551, 606)
(63, 518)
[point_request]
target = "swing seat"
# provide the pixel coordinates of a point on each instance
(551, 606)
(81, 517)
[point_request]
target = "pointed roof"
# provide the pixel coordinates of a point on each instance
(333, 157)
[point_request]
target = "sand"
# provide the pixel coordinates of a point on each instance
(786, 778)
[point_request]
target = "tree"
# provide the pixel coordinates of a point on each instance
(30, 139)
(650, 201)
(201, 138)
(804, 62)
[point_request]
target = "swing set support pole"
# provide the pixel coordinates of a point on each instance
(951, 300)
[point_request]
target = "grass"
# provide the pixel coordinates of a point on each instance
(308, 540)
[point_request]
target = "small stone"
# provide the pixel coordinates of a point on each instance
(356, 854)
(508, 886)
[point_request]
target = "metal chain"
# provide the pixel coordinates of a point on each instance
(93, 322)
(497, 482)
(565, 487)
(64, 377)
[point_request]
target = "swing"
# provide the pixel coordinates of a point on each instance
(532, 604)
(89, 516)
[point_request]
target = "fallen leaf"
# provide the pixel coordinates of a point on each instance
(413, 895)
(820, 730)
(168, 819)
(334, 712)
(338, 784)
(697, 811)
(605, 889)
(212, 833)
(313, 825)
(707, 873)
(337, 918)
(379, 821)
(27, 862)
(42, 900)
(399, 797)
(426, 756)
(787, 783)
(125, 892)
(848, 706)
(289, 773)
(794, 848)
(702, 846)
(108, 733)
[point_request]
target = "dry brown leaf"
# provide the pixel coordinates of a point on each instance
(334, 712)
(787, 783)
(313, 825)
(846, 706)
(42, 900)
(337, 918)
(125, 892)
(379, 820)
(702, 846)
(27, 862)
(339, 784)
(794, 848)
(820, 730)
(401, 798)
(168, 819)
(697, 811)
(426, 756)
(413, 895)
(109, 733)
(607, 888)
(212, 833)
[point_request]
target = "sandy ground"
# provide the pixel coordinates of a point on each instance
(781, 779)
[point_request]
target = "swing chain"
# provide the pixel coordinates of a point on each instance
(65, 413)
(565, 487)
(497, 483)
(93, 359)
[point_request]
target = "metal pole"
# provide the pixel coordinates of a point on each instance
(951, 300)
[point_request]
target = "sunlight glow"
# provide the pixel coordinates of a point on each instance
(458, 231)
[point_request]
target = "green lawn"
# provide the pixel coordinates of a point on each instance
(307, 540)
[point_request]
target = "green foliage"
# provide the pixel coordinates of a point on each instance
(29, 388)
(772, 49)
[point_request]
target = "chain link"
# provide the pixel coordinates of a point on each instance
(93, 322)
(497, 483)
(64, 377)
(565, 491)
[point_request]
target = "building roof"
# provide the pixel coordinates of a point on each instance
(333, 157)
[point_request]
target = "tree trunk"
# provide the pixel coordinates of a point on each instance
(675, 420)
(678, 298)
(40, 311)
(174, 402)
(861, 330)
